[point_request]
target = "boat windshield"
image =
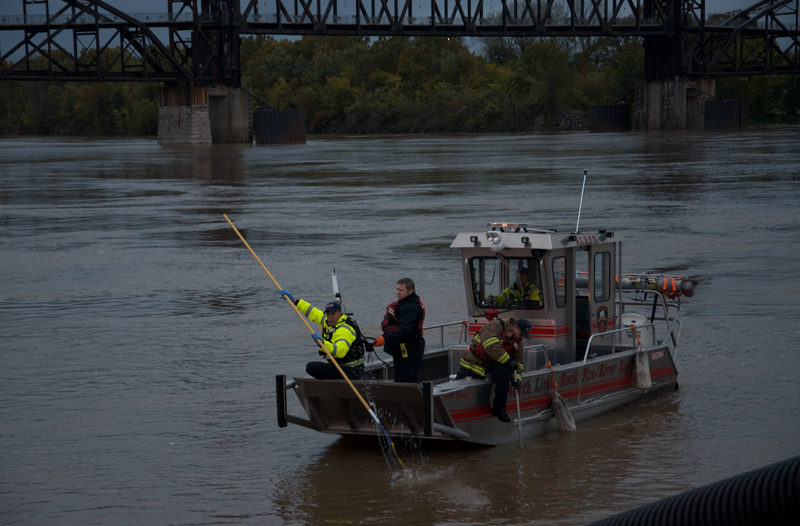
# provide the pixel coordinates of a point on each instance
(506, 282)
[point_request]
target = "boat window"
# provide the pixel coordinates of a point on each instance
(602, 274)
(582, 271)
(560, 281)
(506, 282)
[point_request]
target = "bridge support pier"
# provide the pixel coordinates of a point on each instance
(677, 104)
(202, 115)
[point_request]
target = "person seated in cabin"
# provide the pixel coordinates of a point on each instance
(522, 292)
(338, 338)
(497, 351)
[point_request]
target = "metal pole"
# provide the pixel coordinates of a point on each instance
(580, 206)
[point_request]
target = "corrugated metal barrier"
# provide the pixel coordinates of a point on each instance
(765, 496)
(279, 126)
(726, 114)
(610, 118)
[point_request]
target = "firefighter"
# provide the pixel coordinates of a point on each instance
(402, 332)
(522, 290)
(338, 338)
(497, 351)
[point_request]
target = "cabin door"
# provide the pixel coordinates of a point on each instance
(601, 312)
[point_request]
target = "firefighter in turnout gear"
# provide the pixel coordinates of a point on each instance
(521, 291)
(337, 336)
(497, 351)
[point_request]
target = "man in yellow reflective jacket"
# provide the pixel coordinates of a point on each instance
(337, 338)
(521, 291)
(497, 351)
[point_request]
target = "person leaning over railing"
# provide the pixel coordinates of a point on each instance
(497, 351)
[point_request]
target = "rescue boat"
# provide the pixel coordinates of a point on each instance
(599, 339)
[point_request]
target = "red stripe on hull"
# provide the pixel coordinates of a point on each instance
(543, 402)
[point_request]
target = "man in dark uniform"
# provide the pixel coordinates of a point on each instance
(402, 332)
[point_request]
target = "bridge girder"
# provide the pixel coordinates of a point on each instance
(202, 40)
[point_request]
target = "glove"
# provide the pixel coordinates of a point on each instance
(516, 384)
(286, 294)
(378, 342)
(317, 338)
(512, 364)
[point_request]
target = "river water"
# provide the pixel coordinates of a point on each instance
(139, 339)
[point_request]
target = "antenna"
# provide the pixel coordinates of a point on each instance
(578, 226)
(337, 297)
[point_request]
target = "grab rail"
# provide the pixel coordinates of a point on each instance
(639, 329)
(441, 326)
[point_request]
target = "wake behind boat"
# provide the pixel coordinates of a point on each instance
(599, 339)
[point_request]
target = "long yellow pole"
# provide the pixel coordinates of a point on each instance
(319, 342)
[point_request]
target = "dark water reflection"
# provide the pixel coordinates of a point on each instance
(139, 339)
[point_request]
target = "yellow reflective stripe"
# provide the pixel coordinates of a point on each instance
(491, 341)
(354, 363)
(346, 326)
(472, 367)
(504, 358)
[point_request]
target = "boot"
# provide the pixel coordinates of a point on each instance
(501, 415)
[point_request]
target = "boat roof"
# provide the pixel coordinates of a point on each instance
(502, 236)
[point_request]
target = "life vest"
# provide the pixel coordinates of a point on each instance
(528, 291)
(390, 322)
(355, 355)
(508, 344)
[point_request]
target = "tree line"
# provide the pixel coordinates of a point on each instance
(393, 85)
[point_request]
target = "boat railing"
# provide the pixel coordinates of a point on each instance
(463, 334)
(617, 343)
(662, 309)
(537, 357)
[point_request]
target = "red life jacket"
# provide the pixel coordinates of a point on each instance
(390, 323)
(509, 345)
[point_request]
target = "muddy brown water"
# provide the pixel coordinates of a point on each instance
(139, 340)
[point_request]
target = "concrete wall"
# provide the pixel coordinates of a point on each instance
(697, 93)
(229, 115)
(202, 115)
(184, 125)
(660, 106)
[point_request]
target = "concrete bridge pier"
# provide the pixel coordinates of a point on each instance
(677, 104)
(202, 115)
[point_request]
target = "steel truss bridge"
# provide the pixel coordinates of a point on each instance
(196, 42)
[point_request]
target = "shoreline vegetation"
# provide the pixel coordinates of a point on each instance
(396, 85)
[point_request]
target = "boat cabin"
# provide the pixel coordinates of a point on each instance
(516, 271)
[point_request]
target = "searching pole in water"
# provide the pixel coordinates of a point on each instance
(322, 349)
(580, 206)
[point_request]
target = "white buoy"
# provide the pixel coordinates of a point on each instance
(643, 380)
